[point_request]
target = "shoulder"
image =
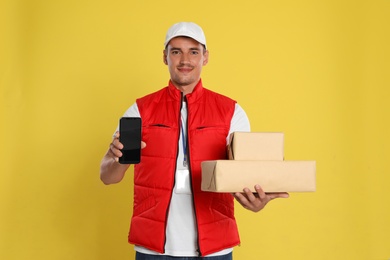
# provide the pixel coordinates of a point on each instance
(218, 96)
(152, 97)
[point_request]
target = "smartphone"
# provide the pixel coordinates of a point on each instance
(130, 137)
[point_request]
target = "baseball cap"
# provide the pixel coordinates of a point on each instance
(187, 29)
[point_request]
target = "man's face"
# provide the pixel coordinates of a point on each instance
(185, 58)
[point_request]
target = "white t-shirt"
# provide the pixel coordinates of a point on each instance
(181, 235)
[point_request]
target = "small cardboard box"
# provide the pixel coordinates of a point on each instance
(272, 176)
(256, 146)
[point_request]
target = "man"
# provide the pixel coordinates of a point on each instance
(183, 124)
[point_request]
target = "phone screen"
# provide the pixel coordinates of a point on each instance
(130, 137)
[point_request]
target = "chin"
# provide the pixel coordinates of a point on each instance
(185, 82)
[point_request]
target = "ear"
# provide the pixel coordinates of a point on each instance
(165, 57)
(206, 58)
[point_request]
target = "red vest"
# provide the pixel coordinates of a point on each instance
(209, 117)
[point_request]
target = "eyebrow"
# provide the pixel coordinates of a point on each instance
(191, 49)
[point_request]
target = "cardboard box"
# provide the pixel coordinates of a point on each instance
(272, 176)
(256, 146)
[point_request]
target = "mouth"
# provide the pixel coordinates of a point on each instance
(185, 69)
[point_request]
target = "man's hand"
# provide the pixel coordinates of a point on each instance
(116, 147)
(257, 201)
(110, 170)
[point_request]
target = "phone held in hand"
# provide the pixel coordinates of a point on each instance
(130, 137)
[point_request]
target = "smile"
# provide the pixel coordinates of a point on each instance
(185, 69)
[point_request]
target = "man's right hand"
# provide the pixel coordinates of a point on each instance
(116, 147)
(110, 170)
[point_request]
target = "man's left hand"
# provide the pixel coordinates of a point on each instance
(257, 201)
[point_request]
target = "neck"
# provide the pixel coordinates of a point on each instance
(186, 89)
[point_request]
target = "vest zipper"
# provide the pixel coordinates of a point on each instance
(174, 174)
(192, 190)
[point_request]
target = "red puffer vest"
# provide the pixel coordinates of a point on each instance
(209, 117)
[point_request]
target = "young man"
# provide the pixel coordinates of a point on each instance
(183, 124)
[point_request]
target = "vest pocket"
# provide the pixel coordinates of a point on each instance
(158, 125)
(219, 132)
(211, 127)
(160, 139)
(210, 140)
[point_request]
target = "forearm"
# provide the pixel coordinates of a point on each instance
(110, 170)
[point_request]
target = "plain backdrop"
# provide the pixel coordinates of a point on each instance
(318, 71)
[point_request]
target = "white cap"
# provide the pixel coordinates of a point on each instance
(187, 29)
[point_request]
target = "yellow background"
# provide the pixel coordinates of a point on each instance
(316, 70)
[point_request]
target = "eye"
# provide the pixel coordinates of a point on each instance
(175, 52)
(194, 52)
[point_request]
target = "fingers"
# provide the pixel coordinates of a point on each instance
(260, 192)
(250, 201)
(257, 201)
(276, 195)
(242, 200)
(270, 195)
(115, 141)
(251, 196)
(116, 146)
(119, 145)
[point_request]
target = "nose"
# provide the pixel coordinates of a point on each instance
(185, 59)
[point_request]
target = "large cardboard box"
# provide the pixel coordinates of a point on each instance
(272, 176)
(256, 146)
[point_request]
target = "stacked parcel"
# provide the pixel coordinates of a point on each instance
(258, 158)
